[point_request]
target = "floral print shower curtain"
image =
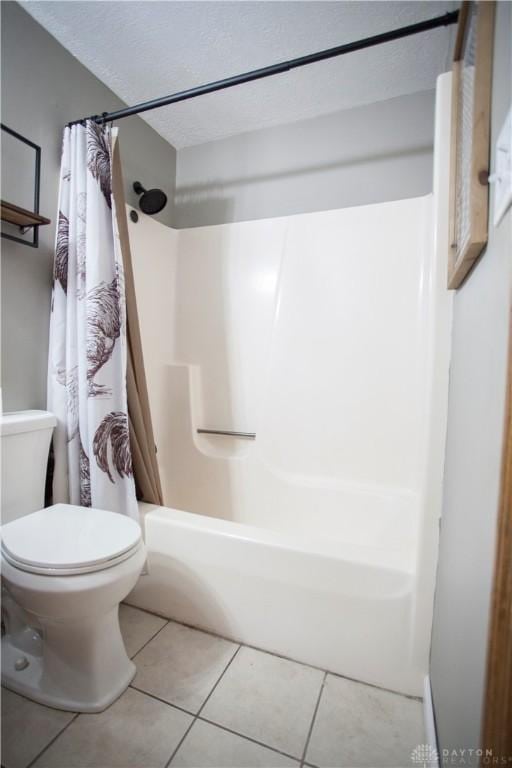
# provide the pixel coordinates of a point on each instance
(88, 351)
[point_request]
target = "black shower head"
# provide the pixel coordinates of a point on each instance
(152, 200)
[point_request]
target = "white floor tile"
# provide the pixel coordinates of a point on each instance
(181, 665)
(358, 726)
(267, 698)
(135, 731)
(137, 627)
(27, 728)
(207, 746)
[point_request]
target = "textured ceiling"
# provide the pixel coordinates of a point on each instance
(145, 49)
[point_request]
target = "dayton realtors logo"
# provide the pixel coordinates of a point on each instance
(425, 756)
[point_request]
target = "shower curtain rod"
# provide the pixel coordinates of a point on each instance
(275, 69)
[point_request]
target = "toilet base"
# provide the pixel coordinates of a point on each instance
(80, 666)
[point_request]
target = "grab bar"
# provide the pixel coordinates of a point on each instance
(245, 435)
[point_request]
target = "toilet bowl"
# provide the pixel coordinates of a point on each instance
(66, 569)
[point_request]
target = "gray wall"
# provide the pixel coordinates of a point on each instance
(370, 154)
(43, 87)
(473, 457)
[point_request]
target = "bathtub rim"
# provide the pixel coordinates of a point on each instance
(389, 559)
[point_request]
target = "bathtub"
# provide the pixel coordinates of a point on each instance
(348, 609)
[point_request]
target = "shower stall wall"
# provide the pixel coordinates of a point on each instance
(309, 331)
(325, 334)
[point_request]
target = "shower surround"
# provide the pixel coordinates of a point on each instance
(326, 334)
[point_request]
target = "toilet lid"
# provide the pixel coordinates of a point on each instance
(65, 537)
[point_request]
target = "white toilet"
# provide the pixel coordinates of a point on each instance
(65, 569)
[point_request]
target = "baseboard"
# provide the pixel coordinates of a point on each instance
(429, 721)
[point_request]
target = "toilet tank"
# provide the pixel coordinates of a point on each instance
(25, 443)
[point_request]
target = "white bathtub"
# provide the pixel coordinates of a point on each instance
(344, 608)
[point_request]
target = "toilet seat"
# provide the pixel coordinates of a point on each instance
(66, 540)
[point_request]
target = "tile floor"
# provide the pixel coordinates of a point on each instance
(200, 701)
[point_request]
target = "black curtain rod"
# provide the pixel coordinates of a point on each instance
(276, 69)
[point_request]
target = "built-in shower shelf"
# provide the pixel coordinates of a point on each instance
(21, 217)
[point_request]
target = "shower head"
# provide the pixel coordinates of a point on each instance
(151, 200)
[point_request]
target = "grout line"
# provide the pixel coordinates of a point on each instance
(374, 685)
(39, 754)
(148, 641)
(180, 742)
(145, 610)
(150, 613)
(310, 731)
(218, 681)
(162, 701)
(200, 710)
(248, 738)
(199, 628)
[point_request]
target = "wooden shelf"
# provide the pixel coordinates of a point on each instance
(20, 216)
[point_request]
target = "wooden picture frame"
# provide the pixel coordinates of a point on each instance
(470, 138)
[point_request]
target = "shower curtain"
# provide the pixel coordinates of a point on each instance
(88, 355)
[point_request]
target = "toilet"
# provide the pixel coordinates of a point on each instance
(65, 569)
